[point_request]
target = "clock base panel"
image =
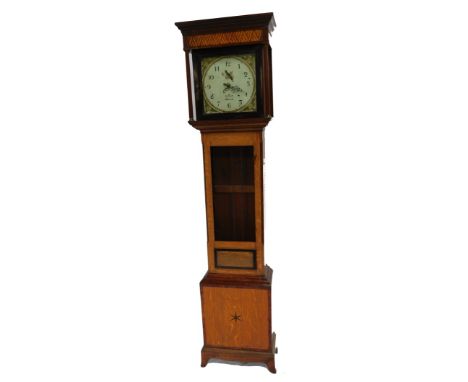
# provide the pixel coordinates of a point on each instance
(237, 318)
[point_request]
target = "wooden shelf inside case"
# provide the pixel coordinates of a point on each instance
(233, 188)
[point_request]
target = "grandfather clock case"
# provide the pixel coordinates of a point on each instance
(230, 101)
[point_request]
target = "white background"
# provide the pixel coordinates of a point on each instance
(102, 225)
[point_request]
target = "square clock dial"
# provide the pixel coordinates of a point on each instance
(227, 82)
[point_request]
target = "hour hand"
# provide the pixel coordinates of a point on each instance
(229, 75)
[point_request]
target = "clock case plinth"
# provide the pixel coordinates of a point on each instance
(247, 336)
(236, 290)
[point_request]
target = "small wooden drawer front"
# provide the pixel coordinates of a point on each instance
(235, 259)
(236, 317)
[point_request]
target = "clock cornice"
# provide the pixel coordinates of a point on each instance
(228, 24)
(227, 31)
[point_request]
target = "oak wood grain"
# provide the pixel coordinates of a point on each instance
(228, 258)
(236, 317)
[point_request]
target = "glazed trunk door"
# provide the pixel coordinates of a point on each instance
(233, 187)
(233, 193)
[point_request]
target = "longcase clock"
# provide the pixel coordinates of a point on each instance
(230, 99)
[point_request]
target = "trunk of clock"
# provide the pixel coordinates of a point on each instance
(233, 166)
(237, 318)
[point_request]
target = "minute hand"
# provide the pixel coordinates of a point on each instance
(229, 87)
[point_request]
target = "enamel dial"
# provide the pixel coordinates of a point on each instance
(229, 84)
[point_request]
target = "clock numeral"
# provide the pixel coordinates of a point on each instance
(248, 83)
(240, 102)
(216, 68)
(246, 94)
(228, 105)
(228, 63)
(246, 74)
(238, 65)
(212, 96)
(211, 77)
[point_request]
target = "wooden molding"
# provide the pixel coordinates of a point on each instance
(226, 24)
(239, 281)
(247, 124)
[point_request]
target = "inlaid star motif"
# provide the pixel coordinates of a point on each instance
(235, 317)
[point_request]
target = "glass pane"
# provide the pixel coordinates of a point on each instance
(233, 193)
